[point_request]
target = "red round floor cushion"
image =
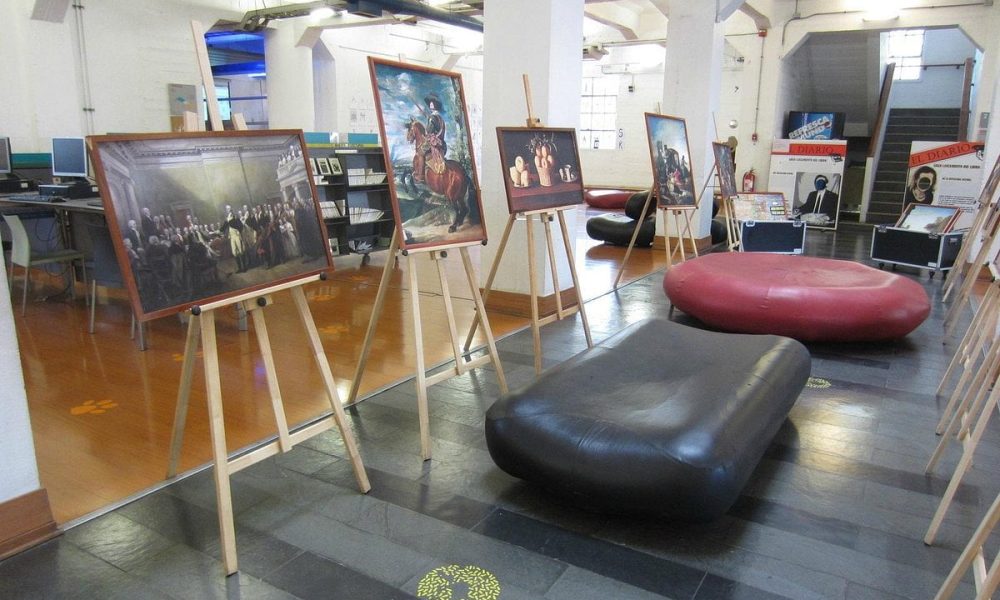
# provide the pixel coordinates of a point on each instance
(607, 199)
(809, 299)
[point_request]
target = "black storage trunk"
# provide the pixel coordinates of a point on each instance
(781, 237)
(919, 249)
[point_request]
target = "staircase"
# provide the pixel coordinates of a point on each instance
(905, 125)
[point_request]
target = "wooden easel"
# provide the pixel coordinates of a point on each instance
(989, 231)
(664, 210)
(985, 216)
(423, 381)
(545, 216)
(201, 324)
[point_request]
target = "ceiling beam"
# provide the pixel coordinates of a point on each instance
(725, 9)
(662, 6)
(759, 18)
(312, 34)
(623, 20)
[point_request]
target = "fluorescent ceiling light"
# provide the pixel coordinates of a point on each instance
(323, 12)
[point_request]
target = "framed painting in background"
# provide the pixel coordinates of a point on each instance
(324, 166)
(726, 169)
(671, 156)
(427, 143)
(202, 217)
(335, 167)
(761, 206)
(928, 219)
(541, 168)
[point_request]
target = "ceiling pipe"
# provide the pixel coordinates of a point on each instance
(416, 9)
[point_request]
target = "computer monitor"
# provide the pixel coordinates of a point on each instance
(6, 166)
(69, 157)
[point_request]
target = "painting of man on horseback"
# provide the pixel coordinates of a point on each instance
(424, 125)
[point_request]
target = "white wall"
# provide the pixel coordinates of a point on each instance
(938, 87)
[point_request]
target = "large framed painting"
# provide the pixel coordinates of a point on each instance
(671, 155)
(725, 168)
(200, 217)
(424, 124)
(541, 168)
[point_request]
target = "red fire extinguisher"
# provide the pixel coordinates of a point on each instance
(749, 181)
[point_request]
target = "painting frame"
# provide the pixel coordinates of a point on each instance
(324, 166)
(928, 218)
(335, 167)
(437, 157)
(673, 180)
(725, 168)
(757, 206)
(131, 169)
(564, 178)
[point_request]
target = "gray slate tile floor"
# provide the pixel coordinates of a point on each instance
(836, 509)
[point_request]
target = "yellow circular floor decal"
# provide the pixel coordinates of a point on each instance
(817, 382)
(455, 582)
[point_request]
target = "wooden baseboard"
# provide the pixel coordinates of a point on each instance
(703, 243)
(26, 521)
(519, 305)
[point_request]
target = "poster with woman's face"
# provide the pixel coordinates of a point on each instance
(945, 174)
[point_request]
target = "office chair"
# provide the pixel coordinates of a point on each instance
(104, 271)
(22, 255)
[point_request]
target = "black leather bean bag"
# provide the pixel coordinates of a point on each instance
(617, 230)
(660, 419)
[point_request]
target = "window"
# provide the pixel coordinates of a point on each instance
(906, 49)
(598, 112)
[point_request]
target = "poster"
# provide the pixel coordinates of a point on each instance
(428, 150)
(809, 173)
(760, 206)
(945, 174)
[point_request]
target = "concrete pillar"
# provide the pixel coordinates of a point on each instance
(290, 100)
(692, 74)
(543, 39)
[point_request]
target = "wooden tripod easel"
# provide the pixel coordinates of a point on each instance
(545, 216)
(423, 381)
(664, 210)
(202, 325)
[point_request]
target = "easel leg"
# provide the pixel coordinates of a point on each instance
(491, 345)
(635, 236)
(547, 222)
(421, 382)
(366, 347)
(533, 286)
(305, 316)
(183, 395)
(271, 374)
(220, 456)
(690, 232)
(576, 280)
(680, 234)
(490, 278)
(666, 239)
(449, 309)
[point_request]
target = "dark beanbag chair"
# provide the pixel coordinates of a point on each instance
(617, 230)
(660, 419)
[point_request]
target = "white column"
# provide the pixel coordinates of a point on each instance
(543, 39)
(692, 74)
(290, 100)
(20, 472)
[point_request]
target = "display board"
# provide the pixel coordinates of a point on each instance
(725, 168)
(671, 158)
(201, 217)
(541, 167)
(428, 157)
(945, 174)
(810, 174)
(761, 206)
(928, 219)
